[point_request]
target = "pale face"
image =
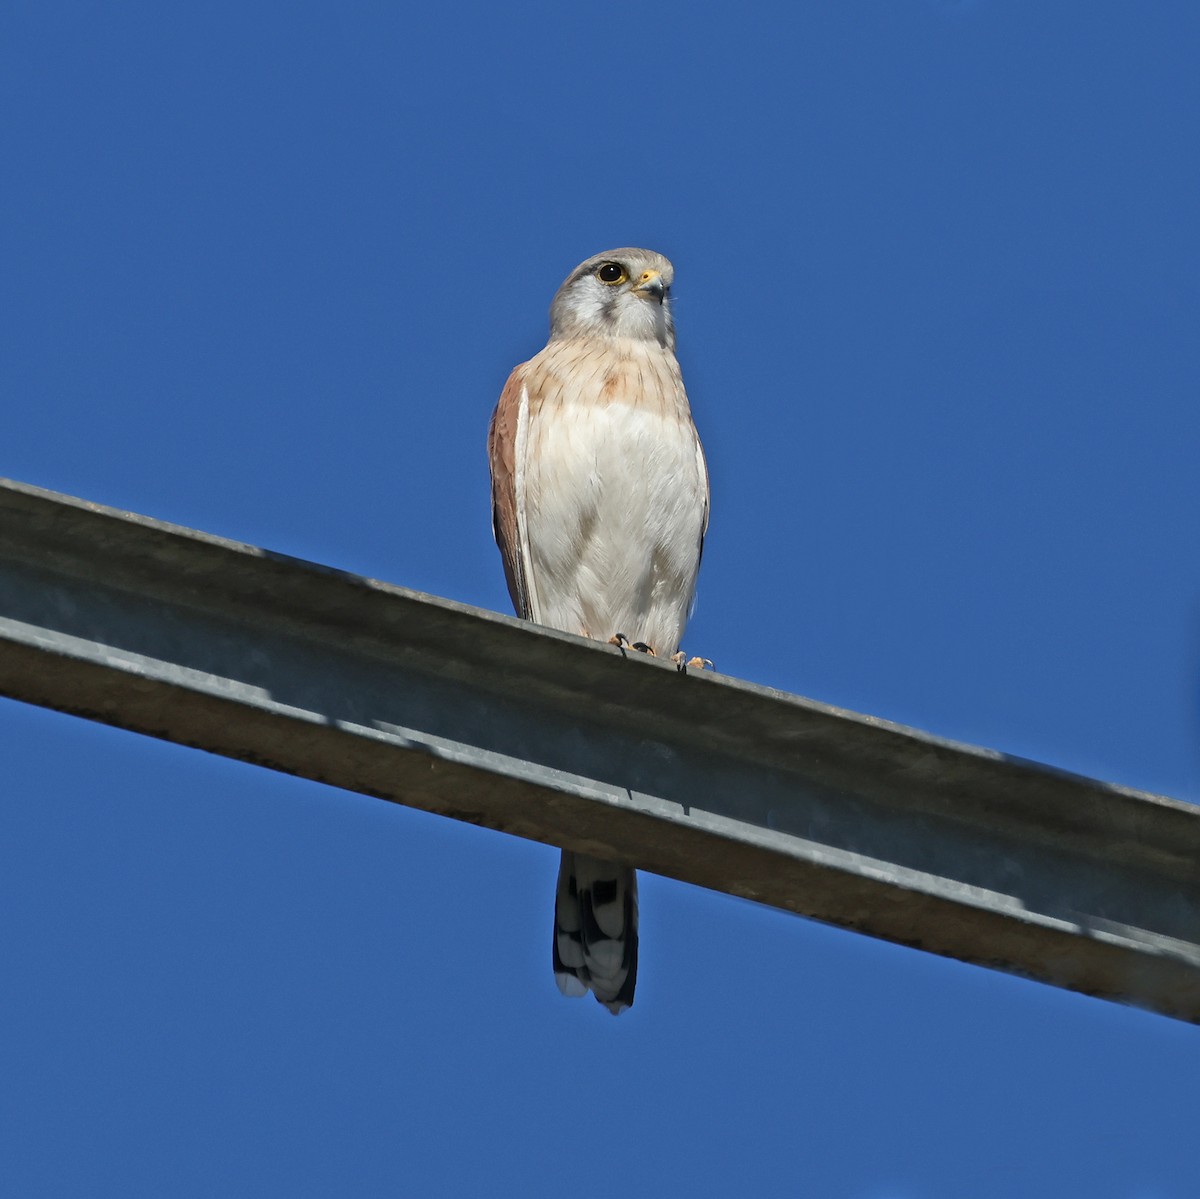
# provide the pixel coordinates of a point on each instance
(620, 293)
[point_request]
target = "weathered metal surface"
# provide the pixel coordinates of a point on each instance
(854, 821)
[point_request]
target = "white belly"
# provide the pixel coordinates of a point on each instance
(615, 500)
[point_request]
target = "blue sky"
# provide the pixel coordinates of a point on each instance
(266, 268)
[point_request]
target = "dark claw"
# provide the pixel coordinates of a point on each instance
(682, 663)
(643, 648)
(619, 640)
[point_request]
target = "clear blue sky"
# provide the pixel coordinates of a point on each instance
(265, 269)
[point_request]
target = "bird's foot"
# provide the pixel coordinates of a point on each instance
(621, 641)
(683, 663)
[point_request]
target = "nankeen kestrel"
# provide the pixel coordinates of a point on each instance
(600, 505)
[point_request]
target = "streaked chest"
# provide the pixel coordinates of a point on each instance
(608, 430)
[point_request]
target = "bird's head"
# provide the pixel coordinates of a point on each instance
(620, 293)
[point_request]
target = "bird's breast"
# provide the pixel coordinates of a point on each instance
(615, 492)
(610, 431)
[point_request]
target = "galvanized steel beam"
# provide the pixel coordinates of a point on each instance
(373, 688)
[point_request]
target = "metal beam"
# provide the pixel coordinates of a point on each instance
(847, 819)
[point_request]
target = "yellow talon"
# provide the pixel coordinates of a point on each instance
(683, 664)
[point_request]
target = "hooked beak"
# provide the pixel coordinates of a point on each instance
(651, 286)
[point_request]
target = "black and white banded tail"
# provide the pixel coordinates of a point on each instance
(595, 930)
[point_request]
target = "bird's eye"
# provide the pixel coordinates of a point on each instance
(611, 272)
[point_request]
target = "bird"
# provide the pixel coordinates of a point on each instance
(600, 503)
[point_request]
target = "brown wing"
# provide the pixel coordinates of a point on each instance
(502, 449)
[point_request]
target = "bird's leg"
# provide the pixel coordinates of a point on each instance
(682, 663)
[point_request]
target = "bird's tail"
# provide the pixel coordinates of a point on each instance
(595, 930)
